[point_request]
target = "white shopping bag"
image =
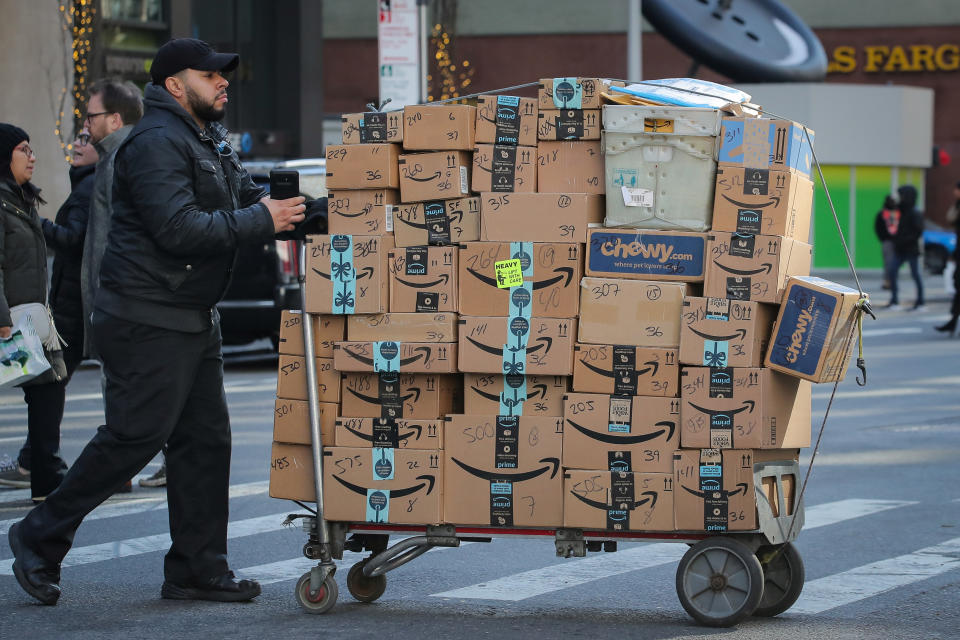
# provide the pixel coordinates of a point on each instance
(21, 356)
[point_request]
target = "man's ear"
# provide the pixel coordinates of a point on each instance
(174, 86)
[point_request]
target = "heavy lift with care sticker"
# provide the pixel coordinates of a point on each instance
(722, 578)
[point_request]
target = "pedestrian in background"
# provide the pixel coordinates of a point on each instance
(906, 247)
(885, 226)
(23, 280)
(953, 217)
(183, 204)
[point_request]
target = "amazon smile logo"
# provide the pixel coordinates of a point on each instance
(538, 389)
(654, 367)
(703, 495)
(443, 279)
(651, 498)
(414, 395)
(774, 201)
(609, 438)
(501, 475)
(564, 273)
(423, 353)
(415, 434)
(366, 209)
(428, 482)
(546, 342)
(366, 272)
(748, 406)
(765, 267)
(454, 217)
(739, 333)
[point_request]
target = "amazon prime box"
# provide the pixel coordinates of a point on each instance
(393, 356)
(538, 217)
(618, 500)
(547, 274)
(573, 93)
(436, 222)
(432, 127)
(717, 332)
(570, 167)
(568, 124)
(813, 336)
(750, 267)
(423, 279)
(292, 379)
(503, 471)
(402, 486)
(291, 421)
(369, 127)
(504, 168)
(362, 166)
(517, 345)
(406, 327)
(626, 370)
(364, 211)
(390, 433)
(405, 395)
(743, 408)
(514, 395)
(327, 329)
(620, 433)
(632, 312)
(763, 201)
(347, 274)
(438, 175)
(507, 120)
(713, 490)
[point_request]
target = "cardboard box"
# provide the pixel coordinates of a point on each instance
(570, 167)
(659, 181)
(386, 432)
(813, 335)
(447, 127)
(509, 395)
(538, 217)
(292, 379)
(291, 472)
(760, 143)
(713, 490)
(368, 127)
(507, 120)
(517, 346)
(618, 501)
(717, 332)
(626, 370)
(423, 279)
(503, 471)
(441, 175)
(763, 201)
(636, 312)
(405, 327)
(402, 486)
(363, 166)
(743, 408)
(569, 124)
(646, 254)
(416, 396)
(620, 433)
(347, 274)
(748, 267)
(395, 356)
(375, 221)
(437, 222)
(551, 273)
(573, 93)
(291, 421)
(361, 212)
(503, 168)
(327, 329)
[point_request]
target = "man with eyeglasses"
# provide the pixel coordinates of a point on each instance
(183, 204)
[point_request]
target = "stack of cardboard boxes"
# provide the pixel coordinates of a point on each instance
(575, 334)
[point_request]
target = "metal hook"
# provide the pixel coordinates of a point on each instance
(862, 365)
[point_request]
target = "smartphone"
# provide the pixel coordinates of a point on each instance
(284, 184)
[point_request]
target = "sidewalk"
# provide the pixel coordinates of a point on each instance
(872, 282)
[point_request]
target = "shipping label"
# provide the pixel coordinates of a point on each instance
(508, 120)
(501, 503)
(378, 505)
(373, 127)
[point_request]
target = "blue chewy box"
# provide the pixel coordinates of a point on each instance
(646, 255)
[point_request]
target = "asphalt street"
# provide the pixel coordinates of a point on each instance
(881, 545)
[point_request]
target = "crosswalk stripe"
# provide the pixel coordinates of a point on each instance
(17, 495)
(142, 505)
(875, 578)
(148, 544)
(535, 582)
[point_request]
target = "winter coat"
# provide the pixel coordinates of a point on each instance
(65, 235)
(23, 264)
(906, 242)
(182, 205)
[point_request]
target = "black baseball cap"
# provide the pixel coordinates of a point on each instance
(189, 53)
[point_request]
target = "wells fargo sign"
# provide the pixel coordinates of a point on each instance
(914, 58)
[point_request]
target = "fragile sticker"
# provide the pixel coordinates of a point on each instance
(509, 273)
(637, 197)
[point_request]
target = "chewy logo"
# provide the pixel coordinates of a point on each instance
(658, 251)
(796, 338)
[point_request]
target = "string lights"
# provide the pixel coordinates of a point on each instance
(76, 20)
(452, 77)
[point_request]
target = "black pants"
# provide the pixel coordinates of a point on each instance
(42, 452)
(162, 387)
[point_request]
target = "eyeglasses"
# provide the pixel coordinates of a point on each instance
(90, 116)
(27, 151)
(83, 139)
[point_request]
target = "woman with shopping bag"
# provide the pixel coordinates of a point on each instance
(23, 300)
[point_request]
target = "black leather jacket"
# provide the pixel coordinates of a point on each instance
(182, 204)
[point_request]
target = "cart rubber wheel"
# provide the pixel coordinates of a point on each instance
(719, 582)
(323, 600)
(783, 576)
(363, 588)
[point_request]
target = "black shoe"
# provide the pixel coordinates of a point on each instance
(950, 327)
(225, 588)
(37, 577)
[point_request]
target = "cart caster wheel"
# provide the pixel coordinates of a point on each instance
(783, 576)
(363, 588)
(719, 582)
(320, 602)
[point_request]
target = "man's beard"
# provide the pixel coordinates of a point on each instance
(207, 112)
